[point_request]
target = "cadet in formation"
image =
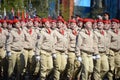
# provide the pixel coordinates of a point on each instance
(55, 49)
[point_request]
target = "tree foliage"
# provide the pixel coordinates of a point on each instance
(41, 7)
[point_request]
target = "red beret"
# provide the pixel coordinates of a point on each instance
(53, 21)
(115, 20)
(95, 21)
(30, 20)
(99, 20)
(65, 22)
(59, 17)
(72, 21)
(60, 20)
(2, 21)
(10, 21)
(37, 19)
(107, 21)
(23, 20)
(15, 20)
(80, 19)
(88, 20)
(44, 20)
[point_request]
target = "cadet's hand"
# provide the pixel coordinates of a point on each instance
(97, 56)
(94, 57)
(8, 53)
(37, 58)
(79, 59)
(66, 56)
(54, 55)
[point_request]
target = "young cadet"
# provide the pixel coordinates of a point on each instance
(72, 34)
(14, 49)
(107, 28)
(86, 46)
(80, 24)
(61, 46)
(29, 47)
(101, 60)
(3, 36)
(115, 46)
(45, 48)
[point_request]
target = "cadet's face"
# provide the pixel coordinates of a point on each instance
(68, 25)
(9, 26)
(59, 24)
(64, 26)
(107, 26)
(23, 24)
(47, 24)
(4, 24)
(53, 25)
(80, 24)
(17, 25)
(30, 23)
(100, 25)
(94, 25)
(40, 24)
(36, 24)
(73, 25)
(114, 25)
(88, 25)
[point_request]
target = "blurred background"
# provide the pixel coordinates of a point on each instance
(54, 8)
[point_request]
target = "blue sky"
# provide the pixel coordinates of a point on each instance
(84, 3)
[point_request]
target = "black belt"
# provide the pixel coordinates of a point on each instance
(115, 50)
(17, 50)
(46, 50)
(60, 51)
(88, 52)
(71, 51)
(1, 47)
(102, 51)
(27, 49)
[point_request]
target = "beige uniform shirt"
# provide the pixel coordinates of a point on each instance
(115, 40)
(30, 39)
(3, 35)
(86, 42)
(102, 40)
(108, 38)
(108, 41)
(46, 41)
(72, 40)
(61, 41)
(37, 31)
(15, 40)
